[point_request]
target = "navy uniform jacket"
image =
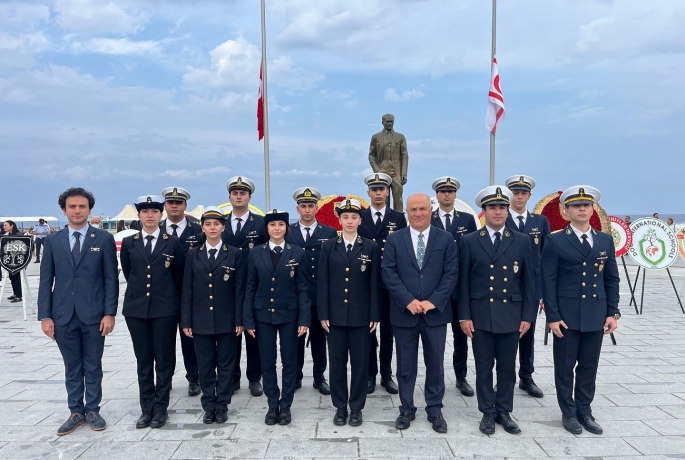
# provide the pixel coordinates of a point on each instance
(90, 288)
(190, 235)
(461, 225)
(434, 281)
(312, 251)
(393, 220)
(213, 298)
(278, 295)
(347, 295)
(537, 227)
(154, 286)
(496, 289)
(252, 231)
(581, 290)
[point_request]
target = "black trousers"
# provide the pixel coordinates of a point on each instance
(317, 343)
(385, 353)
(407, 345)
(577, 351)
(154, 344)
(268, 350)
(527, 353)
(216, 360)
(38, 245)
(189, 356)
(353, 342)
(16, 284)
(461, 345)
(254, 363)
(81, 346)
(489, 347)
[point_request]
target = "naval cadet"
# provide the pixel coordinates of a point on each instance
(379, 221)
(277, 304)
(536, 226)
(212, 313)
(447, 218)
(309, 234)
(152, 263)
(176, 224)
(349, 304)
(244, 231)
(580, 291)
(496, 304)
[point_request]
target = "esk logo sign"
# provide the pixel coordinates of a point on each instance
(655, 245)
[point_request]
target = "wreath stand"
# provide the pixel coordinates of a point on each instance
(633, 288)
(25, 289)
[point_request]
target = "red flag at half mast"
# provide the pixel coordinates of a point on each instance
(495, 112)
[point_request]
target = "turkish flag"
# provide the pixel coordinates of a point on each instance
(260, 105)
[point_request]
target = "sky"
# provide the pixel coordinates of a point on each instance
(126, 97)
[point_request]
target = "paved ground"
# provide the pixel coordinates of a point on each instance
(640, 403)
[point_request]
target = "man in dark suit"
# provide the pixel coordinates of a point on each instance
(77, 303)
(496, 304)
(310, 235)
(447, 218)
(537, 228)
(379, 221)
(176, 224)
(245, 230)
(420, 272)
(580, 290)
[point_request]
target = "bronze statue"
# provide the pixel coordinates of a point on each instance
(388, 155)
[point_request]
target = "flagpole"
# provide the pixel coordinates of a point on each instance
(492, 58)
(267, 176)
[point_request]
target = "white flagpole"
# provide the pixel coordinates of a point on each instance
(267, 176)
(492, 57)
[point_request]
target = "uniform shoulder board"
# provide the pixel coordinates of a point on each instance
(165, 236)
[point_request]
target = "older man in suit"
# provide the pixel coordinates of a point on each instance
(77, 303)
(420, 272)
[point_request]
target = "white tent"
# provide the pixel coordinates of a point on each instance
(128, 213)
(197, 212)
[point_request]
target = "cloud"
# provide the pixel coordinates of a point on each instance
(391, 95)
(117, 46)
(97, 17)
(187, 174)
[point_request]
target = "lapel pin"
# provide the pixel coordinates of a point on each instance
(516, 266)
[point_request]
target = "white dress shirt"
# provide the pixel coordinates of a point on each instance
(374, 216)
(154, 241)
(443, 217)
(272, 245)
(492, 233)
(234, 221)
(515, 216)
(209, 246)
(181, 226)
(352, 241)
(580, 234)
(311, 228)
(415, 238)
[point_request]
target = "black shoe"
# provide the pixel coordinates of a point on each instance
(221, 416)
(37, 261)
(529, 386)
(237, 386)
(439, 424)
(370, 386)
(144, 420)
(159, 419)
(256, 388)
(510, 426)
(464, 387)
(12, 297)
(356, 418)
(284, 416)
(404, 420)
(15, 300)
(389, 384)
(74, 421)
(271, 416)
(588, 422)
(572, 425)
(340, 417)
(298, 384)
(487, 424)
(194, 389)
(208, 417)
(322, 386)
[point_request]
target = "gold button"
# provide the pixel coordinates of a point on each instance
(148, 285)
(596, 265)
(594, 295)
(313, 266)
(583, 296)
(492, 277)
(584, 264)
(505, 301)
(211, 297)
(273, 310)
(148, 294)
(492, 266)
(312, 276)
(272, 289)
(148, 276)
(312, 258)
(382, 249)
(273, 279)
(504, 290)
(505, 279)
(241, 249)
(491, 288)
(345, 290)
(347, 279)
(492, 300)
(595, 275)
(148, 267)
(505, 267)
(211, 308)
(210, 275)
(594, 285)
(210, 285)
(583, 273)
(374, 239)
(583, 284)
(345, 300)
(272, 300)
(347, 269)
(384, 241)
(313, 249)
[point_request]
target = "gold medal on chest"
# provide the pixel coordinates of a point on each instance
(226, 277)
(601, 266)
(251, 245)
(167, 263)
(536, 240)
(292, 272)
(516, 267)
(363, 267)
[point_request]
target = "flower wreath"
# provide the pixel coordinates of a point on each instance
(326, 213)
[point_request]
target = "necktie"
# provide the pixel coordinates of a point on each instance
(498, 240)
(420, 251)
(212, 258)
(379, 218)
(448, 224)
(76, 250)
(586, 244)
(520, 218)
(349, 251)
(238, 227)
(307, 229)
(174, 227)
(276, 255)
(148, 246)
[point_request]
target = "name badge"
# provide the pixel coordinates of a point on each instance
(94, 249)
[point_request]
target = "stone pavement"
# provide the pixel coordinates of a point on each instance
(640, 403)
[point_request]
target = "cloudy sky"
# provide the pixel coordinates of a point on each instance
(125, 97)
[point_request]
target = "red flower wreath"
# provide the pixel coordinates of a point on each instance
(326, 213)
(550, 207)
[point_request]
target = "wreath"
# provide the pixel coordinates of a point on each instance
(552, 209)
(326, 213)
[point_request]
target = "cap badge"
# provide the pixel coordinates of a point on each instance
(175, 192)
(308, 193)
(240, 181)
(582, 191)
(149, 200)
(499, 193)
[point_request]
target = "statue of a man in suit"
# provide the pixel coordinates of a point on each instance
(388, 155)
